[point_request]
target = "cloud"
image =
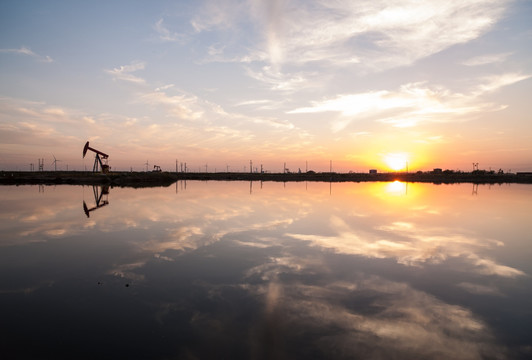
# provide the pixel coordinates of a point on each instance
(26, 51)
(408, 106)
(223, 14)
(165, 87)
(490, 267)
(184, 238)
(368, 316)
(31, 124)
(180, 106)
(215, 50)
(124, 72)
(185, 106)
(412, 104)
(486, 59)
(480, 289)
(411, 245)
(280, 41)
(495, 82)
(375, 34)
(254, 102)
(165, 34)
(34, 129)
(207, 127)
(277, 80)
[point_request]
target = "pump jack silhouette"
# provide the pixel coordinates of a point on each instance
(97, 159)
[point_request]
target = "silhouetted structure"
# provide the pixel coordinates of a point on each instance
(54, 163)
(97, 159)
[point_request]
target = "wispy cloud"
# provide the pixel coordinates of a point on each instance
(220, 15)
(401, 318)
(124, 72)
(254, 102)
(486, 59)
(495, 82)
(26, 51)
(164, 87)
(181, 106)
(205, 128)
(414, 247)
(165, 34)
(262, 104)
(480, 289)
(373, 34)
(277, 80)
(412, 103)
(280, 41)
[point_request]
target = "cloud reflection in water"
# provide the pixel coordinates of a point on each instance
(374, 318)
(304, 270)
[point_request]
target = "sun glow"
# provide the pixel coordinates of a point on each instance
(396, 188)
(396, 161)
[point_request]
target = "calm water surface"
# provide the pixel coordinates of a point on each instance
(233, 270)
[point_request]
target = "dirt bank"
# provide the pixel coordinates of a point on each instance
(148, 179)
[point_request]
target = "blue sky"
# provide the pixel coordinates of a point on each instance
(365, 84)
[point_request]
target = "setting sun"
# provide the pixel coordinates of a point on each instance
(396, 161)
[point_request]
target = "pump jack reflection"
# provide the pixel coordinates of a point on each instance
(99, 193)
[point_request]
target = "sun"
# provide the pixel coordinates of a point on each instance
(396, 161)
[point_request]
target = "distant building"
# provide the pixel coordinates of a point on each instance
(437, 171)
(372, 171)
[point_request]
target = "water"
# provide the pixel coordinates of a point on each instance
(267, 271)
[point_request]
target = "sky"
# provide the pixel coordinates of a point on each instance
(315, 85)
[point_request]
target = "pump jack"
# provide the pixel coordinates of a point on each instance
(97, 159)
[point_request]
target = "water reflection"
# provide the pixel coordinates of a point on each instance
(397, 188)
(269, 270)
(101, 198)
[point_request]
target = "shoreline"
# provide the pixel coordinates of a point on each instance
(149, 179)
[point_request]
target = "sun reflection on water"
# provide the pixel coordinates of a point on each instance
(397, 188)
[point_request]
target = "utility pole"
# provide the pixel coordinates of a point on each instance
(250, 166)
(330, 166)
